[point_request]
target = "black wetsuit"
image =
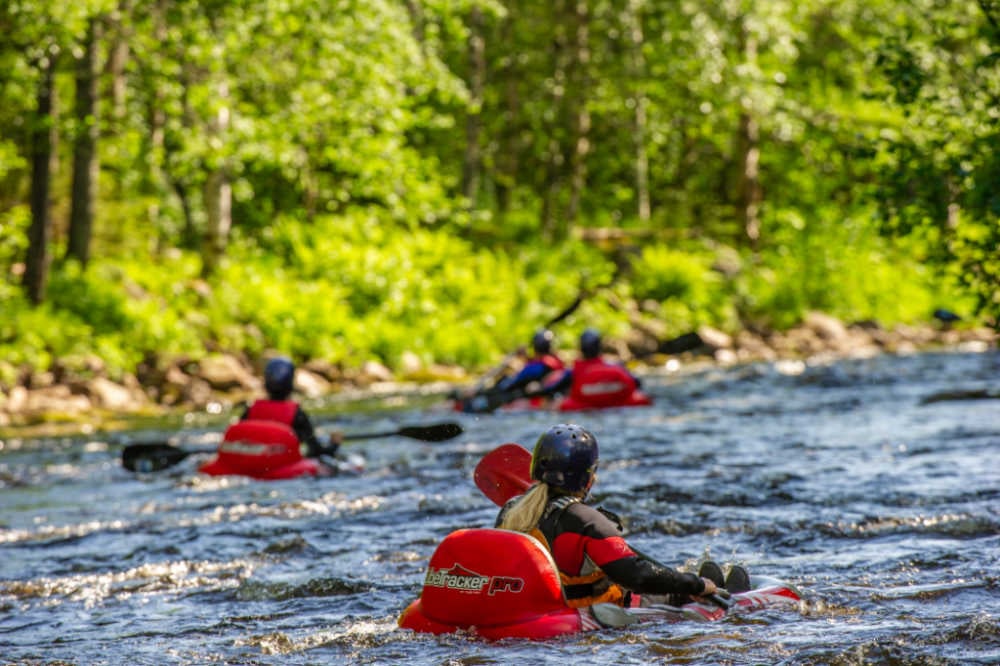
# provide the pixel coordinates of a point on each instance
(585, 544)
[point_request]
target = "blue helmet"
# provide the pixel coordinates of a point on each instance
(590, 343)
(565, 457)
(542, 341)
(279, 377)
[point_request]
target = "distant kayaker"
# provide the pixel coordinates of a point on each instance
(595, 563)
(537, 367)
(279, 380)
(587, 385)
(538, 371)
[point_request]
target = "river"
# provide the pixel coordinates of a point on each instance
(882, 507)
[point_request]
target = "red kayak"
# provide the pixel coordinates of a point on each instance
(263, 450)
(500, 584)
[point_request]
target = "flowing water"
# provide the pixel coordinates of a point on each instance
(841, 478)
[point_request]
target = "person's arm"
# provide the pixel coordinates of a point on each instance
(647, 577)
(561, 385)
(303, 428)
(608, 550)
(638, 382)
(532, 372)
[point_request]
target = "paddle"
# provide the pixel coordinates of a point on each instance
(505, 472)
(438, 432)
(155, 456)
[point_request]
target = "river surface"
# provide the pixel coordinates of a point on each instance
(882, 507)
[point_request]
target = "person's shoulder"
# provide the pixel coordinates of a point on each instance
(583, 512)
(594, 518)
(581, 507)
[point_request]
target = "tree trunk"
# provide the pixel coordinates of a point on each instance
(748, 141)
(580, 93)
(417, 19)
(510, 143)
(37, 259)
(85, 164)
(555, 158)
(117, 60)
(473, 164)
(637, 74)
(157, 181)
(751, 193)
(218, 192)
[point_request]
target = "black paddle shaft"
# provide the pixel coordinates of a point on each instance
(432, 433)
(155, 456)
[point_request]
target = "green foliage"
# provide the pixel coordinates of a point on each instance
(845, 269)
(690, 291)
(940, 64)
(345, 289)
(13, 244)
(347, 131)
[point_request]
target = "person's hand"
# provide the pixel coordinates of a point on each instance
(335, 440)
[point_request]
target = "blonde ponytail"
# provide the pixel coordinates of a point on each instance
(526, 513)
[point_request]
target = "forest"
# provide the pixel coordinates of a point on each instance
(355, 180)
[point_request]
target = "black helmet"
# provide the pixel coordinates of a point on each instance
(279, 377)
(542, 341)
(590, 343)
(565, 457)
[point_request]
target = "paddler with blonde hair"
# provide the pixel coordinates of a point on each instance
(595, 563)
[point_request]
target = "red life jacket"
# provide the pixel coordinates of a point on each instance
(598, 384)
(551, 361)
(555, 366)
(590, 585)
(282, 411)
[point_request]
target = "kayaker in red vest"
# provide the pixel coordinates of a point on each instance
(574, 381)
(536, 374)
(279, 379)
(537, 367)
(594, 561)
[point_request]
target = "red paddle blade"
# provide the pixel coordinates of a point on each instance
(504, 472)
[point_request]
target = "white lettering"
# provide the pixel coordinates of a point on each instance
(251, 448)
(602, 388)
(462, 581)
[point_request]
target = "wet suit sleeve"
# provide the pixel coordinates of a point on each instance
(307, 435)
(532, 372)
(603, 544)
(563, 385)
(647, 577)
(638, 382)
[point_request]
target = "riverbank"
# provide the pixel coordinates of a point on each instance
(68, 402)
